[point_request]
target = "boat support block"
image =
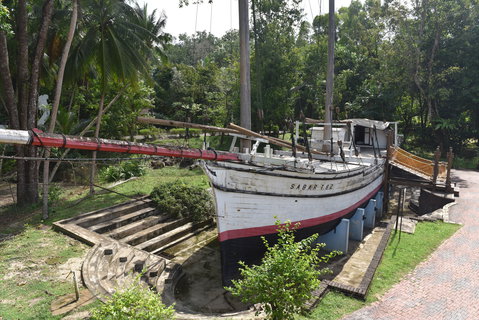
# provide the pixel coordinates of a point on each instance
(379, 204)
(338, 238)
(356, 225)
(370, 212)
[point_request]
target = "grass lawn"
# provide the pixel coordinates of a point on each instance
(401, 257)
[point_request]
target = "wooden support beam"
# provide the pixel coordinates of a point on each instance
(180, 124)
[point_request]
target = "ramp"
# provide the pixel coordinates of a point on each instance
(420, 167)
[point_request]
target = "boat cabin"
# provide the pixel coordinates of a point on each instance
(363, 132)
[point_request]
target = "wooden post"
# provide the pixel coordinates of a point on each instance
(450, 157)
(245, 86)
(437, 156)
(328, 115)
(386, 172)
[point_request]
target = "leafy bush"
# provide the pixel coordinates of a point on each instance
(183, 201)
(286, 277)
(125, 170)
(136, 302)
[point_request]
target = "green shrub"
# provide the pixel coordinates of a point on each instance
(54, 193)
(124, 170)
(286, 277)
(183, 201)
(182, 132)
(145, 132)
(136, 302)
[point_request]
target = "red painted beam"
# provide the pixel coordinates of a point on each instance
(42, 139)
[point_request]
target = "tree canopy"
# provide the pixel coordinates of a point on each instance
(415, 63)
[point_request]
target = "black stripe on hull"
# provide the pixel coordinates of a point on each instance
(277, 172)
(250, 250)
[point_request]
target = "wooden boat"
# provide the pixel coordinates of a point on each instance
(253, 190)
(253, 193)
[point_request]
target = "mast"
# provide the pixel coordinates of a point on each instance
(245, 88)
(328, 117)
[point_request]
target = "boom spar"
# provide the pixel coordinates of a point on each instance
(37, 137)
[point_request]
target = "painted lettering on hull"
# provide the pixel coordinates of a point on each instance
(311, 187)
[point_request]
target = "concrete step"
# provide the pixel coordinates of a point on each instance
(134, 227)
(163, 239)
(112, 213)
(113, 265)
(90, 274)
(153, 231)
(185, 237)
(75, 219)
(123, 220)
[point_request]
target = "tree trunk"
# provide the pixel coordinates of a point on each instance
(97, 133)
(31, 167)
(6, 77)
(56, 103)
(22, 97)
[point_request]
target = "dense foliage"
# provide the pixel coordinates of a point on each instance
(183, 201)
(123, 171)
(135, 302)
(410, 62)
(286, 277)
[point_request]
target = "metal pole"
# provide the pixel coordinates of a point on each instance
(402, 197)
(437, 156)
(395, 134)
(450, 157)
(245, 89)
(328, 117)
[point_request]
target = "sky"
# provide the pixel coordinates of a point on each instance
(220, 16)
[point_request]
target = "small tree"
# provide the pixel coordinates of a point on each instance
(135, 303)
(286, 277)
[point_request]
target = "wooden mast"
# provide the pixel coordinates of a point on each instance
(245, 87)
(328, 117)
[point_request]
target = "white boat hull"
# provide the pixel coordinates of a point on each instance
(249, 199)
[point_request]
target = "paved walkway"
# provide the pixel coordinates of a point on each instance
(446, 286)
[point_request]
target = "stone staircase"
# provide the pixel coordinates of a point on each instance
(128, 239)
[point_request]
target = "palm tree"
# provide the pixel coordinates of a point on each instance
(120, 40)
